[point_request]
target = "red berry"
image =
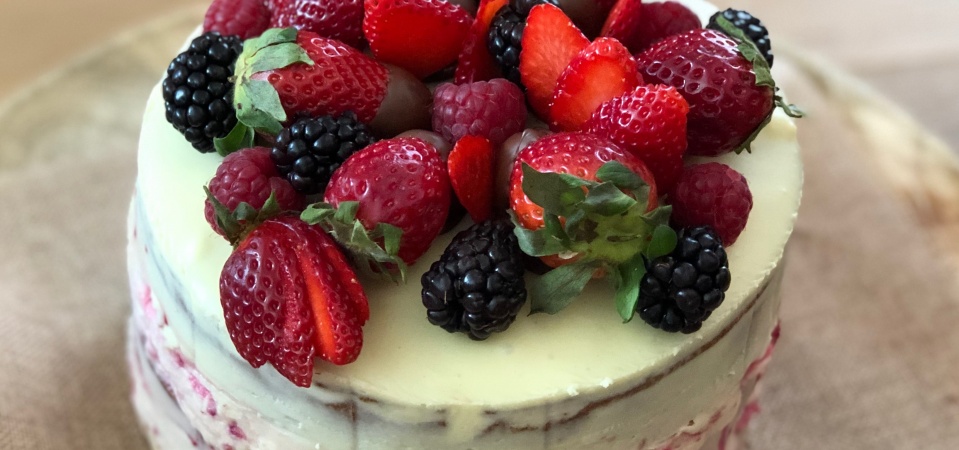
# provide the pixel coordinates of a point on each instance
(598, 73)
(550, 41)
(284, 302)
(341, 79)
(726, 107)
(713, 194)
(422, 36)
(624, 22)
(249, 176)
(649, 122)
(661, 20)
(470, 168)
(243, 18)
(495, 110)
(475, 62)
(335, 19)
(400, 181)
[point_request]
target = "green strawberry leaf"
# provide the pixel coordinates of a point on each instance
(607, 200)
(535, 242)
(269, 37)
(620, 175)
(749, 50)
(238, 223)
(790, 109)
(239, 138)
(556, 193)
(278, 56)
(626, 281)
(663, 242)
(258, 106)
(555, 290)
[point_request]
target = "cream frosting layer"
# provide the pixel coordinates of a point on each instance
(543, 370)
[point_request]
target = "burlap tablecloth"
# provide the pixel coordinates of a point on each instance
(870, 348)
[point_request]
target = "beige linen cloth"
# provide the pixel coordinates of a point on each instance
(869, 357)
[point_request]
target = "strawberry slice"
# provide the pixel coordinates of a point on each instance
(346, 275)
(470, 166)
(475, 63)
(550, 41)
(422, 36)
(624, 22)
(603, 70)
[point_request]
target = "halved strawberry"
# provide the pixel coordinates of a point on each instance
(422, 36)
(475, 62)
(550, 42)
(603, 70)
(470, 166)
(623, 22)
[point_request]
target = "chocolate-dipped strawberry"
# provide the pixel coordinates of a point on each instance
(287, 73)
(506, 157)
(588, 15)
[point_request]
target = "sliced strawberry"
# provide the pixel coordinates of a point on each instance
(470, 167)
(603, 70)
(550, 41)
(475, 62)
(422, 36)
(624, 22)
(347, 277)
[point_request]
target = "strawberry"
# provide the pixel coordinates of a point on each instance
(649, 122)
(475, 62)
(624, 22)
(470, 167)
(398, 190)
(243, 18)
(335, 19)
(600, 72)
(550, 41)
(660, 20)
(726, 82)
(284, 303)
(422, 36)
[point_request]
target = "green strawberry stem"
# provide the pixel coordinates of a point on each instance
(378, 248)
(606, 224)
(239, 222)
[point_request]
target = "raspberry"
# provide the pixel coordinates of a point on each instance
(243, 18)
(492, 109)
(662, 20)
(714, 195)
(249, 176)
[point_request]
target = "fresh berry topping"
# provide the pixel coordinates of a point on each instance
(394, 186)
(492, 109)
(249, 176)
(660, 20)
(649, 122)
(477, 286)
(680, 290)
(475, 62)
(242, 18)
(422, 36)
(550, 41)
(603, 70)
(624, 22)
(504, 39)
(470, 168)
(284, 303)
(728, 104)
(751, 26)
(316, 77)
(311, 149)
(713, 194)
(197, 90)
(335, 19)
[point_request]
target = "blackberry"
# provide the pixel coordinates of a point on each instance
(477, 286)
(197, 90)
(506, 34)
(750, 25)
(308, 151)
(681, 290)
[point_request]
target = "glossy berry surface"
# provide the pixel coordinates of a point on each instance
(713, 194)
(493, 109)
(335, 19)
(197, 91)
(242, 18)
(505, 37)
(660, 20)
(477, 286)
(750, 25)
(308, 151)
(681, 290)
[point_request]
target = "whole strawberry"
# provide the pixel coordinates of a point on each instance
(249, 176)
(398, 189)
(714, 195)
(731, 96)
(243, 18)
(494, 110)
(288, 297)
(335, 19)
(649, 122)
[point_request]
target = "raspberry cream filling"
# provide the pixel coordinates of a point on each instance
(572, 379)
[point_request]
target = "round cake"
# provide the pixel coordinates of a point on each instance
(578, 378)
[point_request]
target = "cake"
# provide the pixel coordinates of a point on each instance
(576, 379)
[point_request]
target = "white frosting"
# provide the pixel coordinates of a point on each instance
(544, 368)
